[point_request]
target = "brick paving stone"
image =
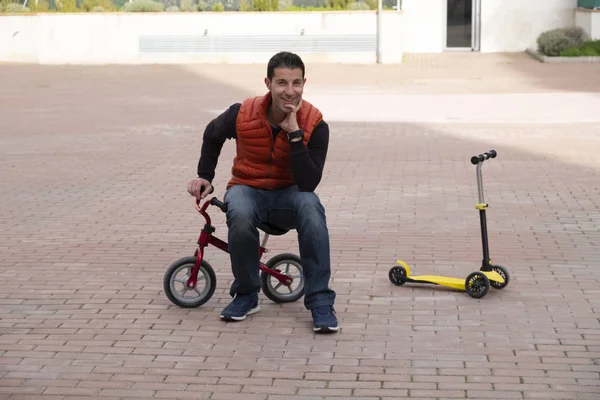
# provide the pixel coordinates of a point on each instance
(95, 162)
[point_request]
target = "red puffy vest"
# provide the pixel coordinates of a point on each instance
(262, 162)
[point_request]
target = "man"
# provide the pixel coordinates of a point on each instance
(281, 143)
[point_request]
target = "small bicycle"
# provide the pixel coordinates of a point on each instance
(196, 269)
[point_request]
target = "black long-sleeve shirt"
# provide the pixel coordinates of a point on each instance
(306, 162)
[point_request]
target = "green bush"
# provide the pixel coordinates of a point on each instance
(42, 6)
(218, 7)
(553, 42)
(97, 5)
(264, 5)
(576, 34)
(338, 4)
(357, 5)
(67, 6)
(13, 8)
(172, 9)
(373, 4)
(143, 6)
(313, 8)
(187, 5)
(587, 49)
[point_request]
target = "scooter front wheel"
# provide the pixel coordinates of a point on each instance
(477, 285)
(503, 272)
(397, 275)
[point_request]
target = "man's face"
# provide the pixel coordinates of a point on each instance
(286, 87)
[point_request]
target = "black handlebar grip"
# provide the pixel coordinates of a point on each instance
(216, 202)
(482, 157)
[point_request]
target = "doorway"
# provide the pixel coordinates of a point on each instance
(462, 25)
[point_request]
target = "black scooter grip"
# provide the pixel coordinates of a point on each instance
(482, 157)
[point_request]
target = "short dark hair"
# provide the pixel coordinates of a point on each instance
(284, 59)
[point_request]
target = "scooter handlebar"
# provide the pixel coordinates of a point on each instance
(482, 157)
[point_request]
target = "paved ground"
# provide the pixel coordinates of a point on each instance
(95, 162)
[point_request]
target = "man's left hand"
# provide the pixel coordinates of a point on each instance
(290, 123)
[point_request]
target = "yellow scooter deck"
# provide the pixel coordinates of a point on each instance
(457, 283)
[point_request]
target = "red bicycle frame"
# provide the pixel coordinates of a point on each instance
(207, 238)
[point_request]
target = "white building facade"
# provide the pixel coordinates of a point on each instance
(482, 25)
(421, 26)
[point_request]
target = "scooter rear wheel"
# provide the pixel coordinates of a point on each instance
(477, 285)
(397, 275)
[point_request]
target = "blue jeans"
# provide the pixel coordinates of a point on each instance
(288, 209)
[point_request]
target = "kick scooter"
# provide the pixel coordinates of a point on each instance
(477, 283)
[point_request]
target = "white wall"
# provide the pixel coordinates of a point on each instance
(506, 26)
(18, 39)
(424, 24)
(514, 25)
(115, 37)
(589, 20)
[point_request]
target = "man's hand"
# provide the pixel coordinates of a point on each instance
(199, 188)
(290, 123)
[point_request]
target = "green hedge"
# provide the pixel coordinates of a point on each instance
(589, 48)
(567, 42)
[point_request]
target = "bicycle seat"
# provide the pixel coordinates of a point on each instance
(272, 229)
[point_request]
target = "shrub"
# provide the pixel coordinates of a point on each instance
(576, 34)
(587, 49)
(311, 8)
(218, 7)
(338, 4)
(265, 5)
(13, 8)
(66, 6)
(357, 5)
(284, 5)
(98, 5)
(42, 6)
(553, 42)
(143, 6)
(187, 5)
(373, 4)
(172, 9)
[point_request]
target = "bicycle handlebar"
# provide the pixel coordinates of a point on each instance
(216, 202)
(482, 157)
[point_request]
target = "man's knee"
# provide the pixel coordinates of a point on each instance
(242, 209)
(309, 207)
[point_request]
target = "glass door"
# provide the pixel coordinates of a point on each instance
(462, 24)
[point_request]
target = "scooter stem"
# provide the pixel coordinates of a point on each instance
(480, 184)
(482, 206)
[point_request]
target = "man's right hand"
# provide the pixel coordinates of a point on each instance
(199, 188)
